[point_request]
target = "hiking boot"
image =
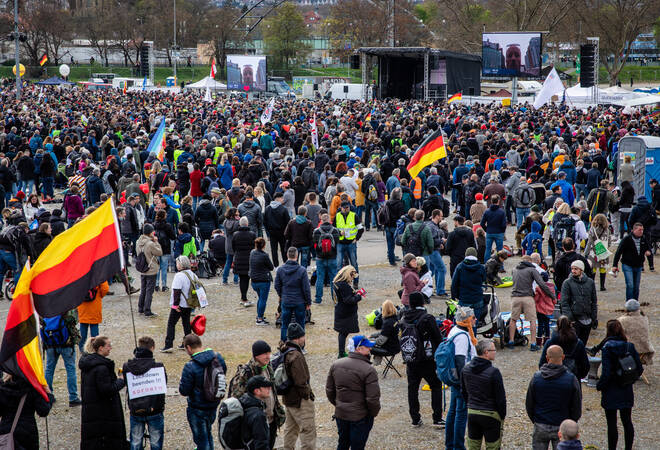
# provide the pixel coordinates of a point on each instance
(166, 350)
(157, 289)
(165, 289)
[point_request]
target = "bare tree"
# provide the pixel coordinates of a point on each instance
(219, 30)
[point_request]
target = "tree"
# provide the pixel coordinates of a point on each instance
(219, 30)
(459, 26)
(283, 34)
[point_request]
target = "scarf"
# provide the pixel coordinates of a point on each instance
(468, 325)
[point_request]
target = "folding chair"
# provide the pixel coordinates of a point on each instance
(389, 364)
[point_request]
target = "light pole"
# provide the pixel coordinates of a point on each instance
(16, 43)
(174, 48)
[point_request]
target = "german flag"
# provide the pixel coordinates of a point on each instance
(368, 118)
(431, 150)
(76, 261)
(456, 96)
(43, 60)
(19, 353)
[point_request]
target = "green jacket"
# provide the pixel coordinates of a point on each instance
(426, 237)
(238, 385)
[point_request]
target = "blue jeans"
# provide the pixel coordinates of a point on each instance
(389, 236)
(163, 262)
(303, 252)
(455, 422)
(93, 329)
(225, 272)
(69, 356)
(287, 311)
(633, 276)
(497, 238)
(201, 422)
(28, 185)
(439, 270)
(579, 190)
(156, 424)
(353, 435)
(358, 212)
(8, 261)
(521, 214)
(325, 268)
(47, 186)
(349, 250)
(371, 209)
(195, 201)
(261, 288)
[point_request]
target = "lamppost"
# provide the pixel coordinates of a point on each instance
(16, 43)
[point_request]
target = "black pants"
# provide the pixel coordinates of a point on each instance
(415, 372)
(483, 427)
(353, 435)
(147, 285)
(277, 239)
(184, 315)
(613, 433)
(341, 341)
(582, 331)
(273, 433)
(244, 284)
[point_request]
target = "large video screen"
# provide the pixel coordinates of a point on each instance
(511, 54)
(246, 73)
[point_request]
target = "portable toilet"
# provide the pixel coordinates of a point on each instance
(169, 82)
(644, 152)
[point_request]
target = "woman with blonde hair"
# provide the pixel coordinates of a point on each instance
(599, 231)
(387, 342)
(346, 306)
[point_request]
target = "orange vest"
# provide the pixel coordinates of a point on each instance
(417, 191)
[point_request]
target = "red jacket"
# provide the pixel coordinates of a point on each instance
(196, 183)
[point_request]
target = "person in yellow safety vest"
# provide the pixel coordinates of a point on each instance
(218, 152)
(177, 153)
(350, 229)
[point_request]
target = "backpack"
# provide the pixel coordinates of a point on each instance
(626, 372)
(215, 383)
(414, 244)
(230, 424)
(445, 361)
(325, 245)
(193, 297)
(525, 197)
(141, 263)
(212, 185)
(282, 381)
(398, 232)
(563, 229)
(90, 296)
(54, 333)
(10, 234)
(383, 216)
(410, 341)
(372, 193)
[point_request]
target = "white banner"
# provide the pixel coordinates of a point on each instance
(315, 133)
(152, 382)
(551, 86)
(268, 112)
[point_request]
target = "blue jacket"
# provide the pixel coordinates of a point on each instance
(459, 171)
(569, 169)
(553, 395)
(494, 220)
(615, 396)
(192, 379)
(95, 188)
(466, 284)
(226, 175)
(292, 284)
(566, 191)
(392, 183)
(533, 242)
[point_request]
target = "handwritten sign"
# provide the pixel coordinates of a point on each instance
(150, 383)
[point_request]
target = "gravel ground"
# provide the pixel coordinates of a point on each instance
(231, 330)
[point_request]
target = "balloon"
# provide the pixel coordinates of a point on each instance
(145, 188)
(21, 68)
(65, 70)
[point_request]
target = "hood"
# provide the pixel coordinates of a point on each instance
(411, 315)
(581, 280)
(142, 241)
(524, 264)
(205, 203)
(478, 365)
(204, 357)
(404, 270)
(472, 265)
(250, 401)
(642, 202)
(90, 360)
(536, 227)
(249, 204)
(550, 371)
(274, 204)
(567, 165)
(301, 219)
(494, 207)
(184, 238)
(570, 445)
(142, 362)
(289, 268)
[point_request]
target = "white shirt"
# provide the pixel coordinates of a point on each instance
(182, 282)
(350, 185)
(461, 343)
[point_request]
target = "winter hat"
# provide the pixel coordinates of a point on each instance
(294, 331)
(260, 347)
(479, 197)
(416, 299)
(471, 251)
(579, 264)
(463, 313)
(256, 382)
(407, 258)
(148, 229)
(632, 305)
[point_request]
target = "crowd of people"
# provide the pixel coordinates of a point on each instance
(310, 181)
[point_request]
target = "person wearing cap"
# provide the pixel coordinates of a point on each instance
(579, 302)
(636, 327)
(467, 282)
(494, 266)
(352, 388)
(259, 365)
(255, 430)
(418, 237)
(289, 199)
(149, 245)
(299, 399)
(350, 230)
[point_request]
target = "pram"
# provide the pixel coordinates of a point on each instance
(487, 323)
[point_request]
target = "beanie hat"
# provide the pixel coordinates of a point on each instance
(579, 264)
(294, 331)
(479, 197)
(632, 305)
(260, 347)
(416, 299)
(471, 251)
(407, 258)
(148, 229)
(256, 382)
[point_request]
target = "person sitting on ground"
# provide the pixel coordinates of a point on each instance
(494, 266)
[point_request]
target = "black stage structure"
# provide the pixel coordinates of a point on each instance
(421, 73)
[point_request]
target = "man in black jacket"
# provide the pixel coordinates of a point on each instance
(483, 390)
(142, 373)
(563, 263)
(325, 239)
(632, 250)
(276, 218)
(256, 433)
(553, 396)
(459, 240)
(434, 200)
(429, 333)
(395, 210)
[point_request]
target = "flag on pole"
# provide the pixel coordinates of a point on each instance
(144, 83)
(431, 150)
(213, 68)
(19, 352)
(76, 261)
(207, 95)
(368, 118)
(314, 132)
(456, 96)
(43, 60)
(157, 144)
(551, 86)
(268, 112)
(125, 87)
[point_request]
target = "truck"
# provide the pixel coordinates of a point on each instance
(278, 87)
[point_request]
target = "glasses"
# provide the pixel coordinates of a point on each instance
(492, 350)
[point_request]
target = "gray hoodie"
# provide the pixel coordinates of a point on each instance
(524, 276)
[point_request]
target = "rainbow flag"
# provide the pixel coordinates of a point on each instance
(456, 96)
(431, 150)
(157, 144)
(655, 113)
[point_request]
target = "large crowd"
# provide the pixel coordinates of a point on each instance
(308, 182)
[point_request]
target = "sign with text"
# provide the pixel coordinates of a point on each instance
(152, 382)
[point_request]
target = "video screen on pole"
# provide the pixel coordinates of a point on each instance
(246, 73)
(511, 54)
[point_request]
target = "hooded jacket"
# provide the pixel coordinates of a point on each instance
(292, 284)
(427, 327)
(151, 250)
(553, 395)
(352, 387)
(192, 379)
(578, 299)
(298, 233)
(298, 371)
(251, 210)
(614, 395)
(276, 218)
(148, 405)
(316, 236)
(524, 275)
(466, 284)
(642, 213)
(255, 429)
(165, 234)
(181, 240)
(533, 241)
(494, 220)
(206, 218)
(26, 434)
(482, 387)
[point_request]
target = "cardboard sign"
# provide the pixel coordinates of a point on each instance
(150, 383)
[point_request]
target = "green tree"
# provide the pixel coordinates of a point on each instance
(284, 34)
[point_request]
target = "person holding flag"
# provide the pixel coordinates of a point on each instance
(431, 150)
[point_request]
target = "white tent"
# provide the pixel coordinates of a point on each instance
(642, 101)
(207, 82)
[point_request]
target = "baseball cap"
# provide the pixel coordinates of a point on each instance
(361, 341)
(285, 184)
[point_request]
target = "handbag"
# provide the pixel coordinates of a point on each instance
(601, 251)
(7, 440)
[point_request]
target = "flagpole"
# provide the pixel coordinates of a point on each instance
(130, 304)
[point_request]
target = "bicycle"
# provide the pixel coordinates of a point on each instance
(9, 284)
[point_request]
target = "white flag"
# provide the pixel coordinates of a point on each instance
(551, 86)
(268, 112)
(207, 96)
(314, 132)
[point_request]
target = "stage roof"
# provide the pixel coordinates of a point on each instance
(416, 52)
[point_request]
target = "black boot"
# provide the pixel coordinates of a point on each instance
(602, 281)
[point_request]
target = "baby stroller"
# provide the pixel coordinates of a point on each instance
(487, 323)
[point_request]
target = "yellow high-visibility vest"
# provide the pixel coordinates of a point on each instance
(218, 151)
(346, 224)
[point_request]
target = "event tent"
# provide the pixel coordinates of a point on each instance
(207, 82)
(54, 81)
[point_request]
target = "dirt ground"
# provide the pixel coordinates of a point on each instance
(231, 331)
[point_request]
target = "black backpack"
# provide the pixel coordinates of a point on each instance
(525, 197)
(215, 382)
(414, 243)
(141, 263)
(563, 229)
(570, 363)
(411, 343)
(383, 216)
(626, 372)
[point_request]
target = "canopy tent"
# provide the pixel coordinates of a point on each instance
(54, 81)
(641, 101)
(207, 82)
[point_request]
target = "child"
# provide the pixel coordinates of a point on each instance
(545, 305)
(569, 436)
(425, 274)
(494, 266)
(480, 238)
(533, 242)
